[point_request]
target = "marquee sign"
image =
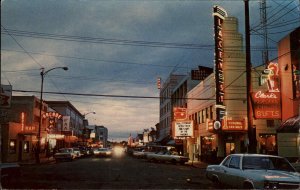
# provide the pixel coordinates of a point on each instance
(183, 128)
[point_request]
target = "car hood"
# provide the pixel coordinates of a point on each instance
(275, 175)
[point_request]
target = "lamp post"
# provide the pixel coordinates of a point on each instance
(43, 74)
(93, 112)
(84, 127)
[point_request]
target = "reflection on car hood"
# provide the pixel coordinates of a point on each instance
(276, 175)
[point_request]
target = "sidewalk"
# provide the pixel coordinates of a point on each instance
(197, 164)
(43, 160)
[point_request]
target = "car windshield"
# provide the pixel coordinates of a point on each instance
(64, 150)
(266, 163)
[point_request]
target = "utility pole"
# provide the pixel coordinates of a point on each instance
(263, 18)
(251, 129)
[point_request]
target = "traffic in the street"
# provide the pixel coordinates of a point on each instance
(120, 171)
(149, 94)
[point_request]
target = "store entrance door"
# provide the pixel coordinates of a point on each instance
(230, 148)
(20, 151)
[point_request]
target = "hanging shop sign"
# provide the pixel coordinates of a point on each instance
(267, 104)
(183, 128)
(179, 113)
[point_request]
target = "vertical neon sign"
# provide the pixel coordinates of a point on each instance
(22, 120)
(219, 15)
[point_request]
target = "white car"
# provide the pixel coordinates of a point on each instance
(65, 154)
(105, 152)
(167, 156)
(254, 171)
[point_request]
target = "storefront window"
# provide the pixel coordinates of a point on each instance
(267, 144)
(26, 146)
(12, 146)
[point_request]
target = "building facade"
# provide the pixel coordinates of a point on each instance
(71, 124)
(165, 111)
(20, 132)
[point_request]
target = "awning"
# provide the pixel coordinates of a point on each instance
(291, 125)
(163, 140)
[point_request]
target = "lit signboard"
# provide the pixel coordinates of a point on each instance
(183, 128)
(234, 125)
(179, 113)
(266, 104)
(219, 14)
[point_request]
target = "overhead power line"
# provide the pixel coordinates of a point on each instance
(103, 40)
(119, 96)
(115, 41)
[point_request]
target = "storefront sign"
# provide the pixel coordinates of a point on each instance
(55, 136)
(183, 128)
(210, 126)
(52, 115)
(24, 127)
(234, 125)
(66, 123)
(179, 113)
(266, 105)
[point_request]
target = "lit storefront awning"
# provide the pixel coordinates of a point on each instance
(291, 125)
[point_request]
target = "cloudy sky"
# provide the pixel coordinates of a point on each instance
(120, 48)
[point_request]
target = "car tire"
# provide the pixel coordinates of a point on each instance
(248, 185)
(173, 161)
(216, 182)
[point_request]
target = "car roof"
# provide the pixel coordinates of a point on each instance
(259, 155)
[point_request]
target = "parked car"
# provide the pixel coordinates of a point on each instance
(105, 152)
(254, 171)
(9, 173)
(167, 156)
(77, 152)
(65, 154)
(85, 151)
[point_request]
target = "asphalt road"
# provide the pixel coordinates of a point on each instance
(111, 173)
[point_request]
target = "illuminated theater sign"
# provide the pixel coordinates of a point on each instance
(266, 104)
(52, 116)
(219, 14)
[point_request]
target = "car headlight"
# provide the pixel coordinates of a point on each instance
(271, 185)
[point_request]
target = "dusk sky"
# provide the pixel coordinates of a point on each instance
(120, 48)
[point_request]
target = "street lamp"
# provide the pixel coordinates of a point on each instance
(43, 74)
(93, 112)
(84, 127)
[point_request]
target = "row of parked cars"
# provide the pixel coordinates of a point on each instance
(69, 154)
(160, 154)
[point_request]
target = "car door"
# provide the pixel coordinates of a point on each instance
(222, 170)
(234, 175)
